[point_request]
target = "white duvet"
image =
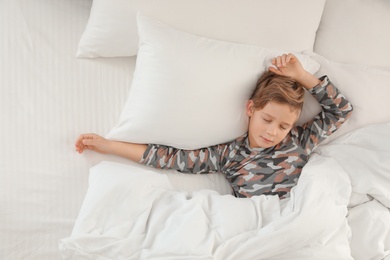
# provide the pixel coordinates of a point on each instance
(338, 210)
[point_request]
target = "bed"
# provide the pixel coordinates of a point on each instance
(74, 66)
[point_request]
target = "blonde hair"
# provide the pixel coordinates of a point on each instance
(280, 89)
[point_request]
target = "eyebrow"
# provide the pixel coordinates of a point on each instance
(283, 123)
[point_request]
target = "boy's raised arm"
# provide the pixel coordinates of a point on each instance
(289, 65)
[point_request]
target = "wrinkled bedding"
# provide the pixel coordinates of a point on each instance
(338, 210)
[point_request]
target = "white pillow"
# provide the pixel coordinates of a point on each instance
(366, 87)
(280, 24)
(190, 91)
(355, 31)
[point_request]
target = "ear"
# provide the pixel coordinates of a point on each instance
(250, 108)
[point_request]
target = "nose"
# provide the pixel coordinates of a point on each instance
(271, 130)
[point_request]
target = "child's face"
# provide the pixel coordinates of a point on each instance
(270, 125)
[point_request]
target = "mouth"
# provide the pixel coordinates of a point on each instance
(266, 140)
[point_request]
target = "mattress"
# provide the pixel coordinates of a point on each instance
(48, 97)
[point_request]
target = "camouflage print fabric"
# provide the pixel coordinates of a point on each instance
(256, 171)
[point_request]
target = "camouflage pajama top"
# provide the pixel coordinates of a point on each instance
(256, 171)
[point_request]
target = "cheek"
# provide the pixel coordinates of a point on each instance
(256, 124)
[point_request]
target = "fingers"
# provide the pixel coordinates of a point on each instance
(290, 58)
(84, 141)
(276, 71)
(79, 144)
(283, 60)
(279, 61)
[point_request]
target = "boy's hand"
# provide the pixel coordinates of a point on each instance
(99, 144)
(92, 142)
(289, 65)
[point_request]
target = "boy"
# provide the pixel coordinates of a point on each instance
(269, 158)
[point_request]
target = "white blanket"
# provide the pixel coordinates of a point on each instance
(338, 210)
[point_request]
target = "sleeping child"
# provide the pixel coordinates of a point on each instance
(269, 158)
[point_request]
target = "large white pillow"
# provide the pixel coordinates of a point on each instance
(190, 91)
(280, 24)
(366, 87)
(355, 31)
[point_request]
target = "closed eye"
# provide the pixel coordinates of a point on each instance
(285, 127)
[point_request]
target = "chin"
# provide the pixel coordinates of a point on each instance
(263, 145)
(267, 146)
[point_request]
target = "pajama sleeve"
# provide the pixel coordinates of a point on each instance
(336, 109)
(204, 160)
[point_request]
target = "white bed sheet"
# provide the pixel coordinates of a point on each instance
(130, 212)
(47, 98)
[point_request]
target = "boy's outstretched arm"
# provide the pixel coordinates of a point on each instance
(202, 160)
(289, 65)
(100, 144)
